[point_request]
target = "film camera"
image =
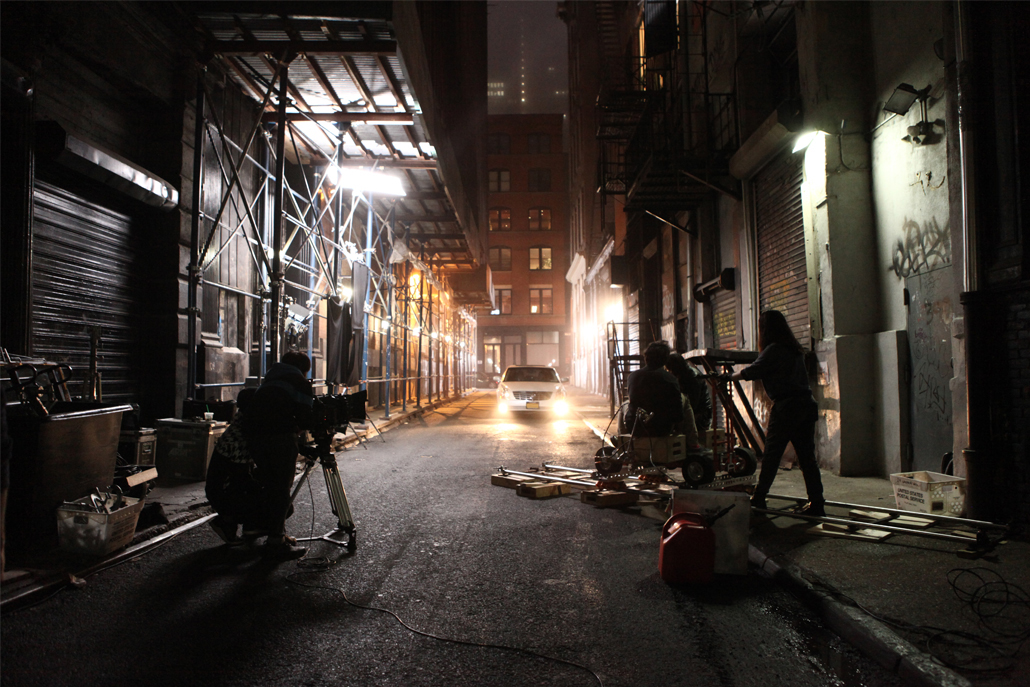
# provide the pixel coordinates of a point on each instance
(333, 413)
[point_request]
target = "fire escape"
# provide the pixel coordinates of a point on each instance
(665, 137)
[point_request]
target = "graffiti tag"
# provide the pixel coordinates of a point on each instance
(921, 248)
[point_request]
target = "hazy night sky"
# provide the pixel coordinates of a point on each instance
(527, 38)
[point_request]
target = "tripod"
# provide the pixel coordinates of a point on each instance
(321, 453)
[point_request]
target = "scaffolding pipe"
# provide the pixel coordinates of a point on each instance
(389, 313)
(275, 333)
(194, 270)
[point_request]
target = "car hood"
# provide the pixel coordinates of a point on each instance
(532, 386)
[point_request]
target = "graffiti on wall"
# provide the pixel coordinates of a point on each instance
(921, 248)
(931, 315)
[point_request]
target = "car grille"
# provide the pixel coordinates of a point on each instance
(532, 395)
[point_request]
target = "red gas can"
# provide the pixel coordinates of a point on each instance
(687, 552)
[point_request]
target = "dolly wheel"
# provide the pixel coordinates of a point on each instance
(743, 463)
(697, 471)
(607, 461)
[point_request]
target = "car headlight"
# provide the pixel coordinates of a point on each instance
(561, 408)
(504, 392)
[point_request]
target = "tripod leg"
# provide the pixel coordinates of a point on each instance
(338, 499)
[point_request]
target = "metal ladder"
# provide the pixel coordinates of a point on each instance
(620, 365)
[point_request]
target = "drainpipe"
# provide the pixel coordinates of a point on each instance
(977, 454)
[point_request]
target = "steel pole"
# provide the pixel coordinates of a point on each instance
(369, 223)
(194, 270)
(389, 314)
(275, 331)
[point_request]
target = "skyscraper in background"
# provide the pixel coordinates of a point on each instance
(528, 59)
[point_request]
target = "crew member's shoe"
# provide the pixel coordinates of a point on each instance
(758, 502)
(285, 549)
(813, 508)
(225, 529)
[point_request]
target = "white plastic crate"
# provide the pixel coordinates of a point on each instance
(82, 529)
(929, 492)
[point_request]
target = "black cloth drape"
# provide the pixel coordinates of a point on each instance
(338, 343)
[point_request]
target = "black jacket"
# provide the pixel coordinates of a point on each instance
(655, 390)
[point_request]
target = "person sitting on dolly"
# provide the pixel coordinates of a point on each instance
(781, 367)
(696, 399)
(655, 392)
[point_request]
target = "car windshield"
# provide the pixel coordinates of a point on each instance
(531, 374)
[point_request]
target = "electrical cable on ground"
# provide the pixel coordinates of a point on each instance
(322, 564)
(1003, 612)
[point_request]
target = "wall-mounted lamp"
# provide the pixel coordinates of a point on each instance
(726, 281)
(901, 100)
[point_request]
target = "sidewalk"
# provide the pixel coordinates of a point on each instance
(893, 599)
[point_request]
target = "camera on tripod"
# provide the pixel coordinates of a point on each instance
(332, 413)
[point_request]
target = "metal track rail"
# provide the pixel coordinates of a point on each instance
(978, 524)
(578, 482)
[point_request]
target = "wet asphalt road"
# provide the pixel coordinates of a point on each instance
(452, 556)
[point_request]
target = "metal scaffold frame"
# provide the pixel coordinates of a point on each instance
(310, 231)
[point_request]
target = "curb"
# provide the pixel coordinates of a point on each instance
(865, 633)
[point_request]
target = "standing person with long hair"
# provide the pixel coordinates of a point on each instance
(781, 367)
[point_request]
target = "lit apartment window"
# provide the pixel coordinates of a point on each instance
(540, 219)
(540, 258)
(538, 143)
(500, 219)
(500, 180)
(540, 301)
(539, 179)
(498, 144)
(500, 259)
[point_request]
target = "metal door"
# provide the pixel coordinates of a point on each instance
(930, 314)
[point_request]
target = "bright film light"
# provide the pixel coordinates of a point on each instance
(805, 140)
(364, 180)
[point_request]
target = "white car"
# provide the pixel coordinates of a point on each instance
(533, 388)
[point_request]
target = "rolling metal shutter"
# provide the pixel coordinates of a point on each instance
(782, 270)
(86, 272)
(724, 319)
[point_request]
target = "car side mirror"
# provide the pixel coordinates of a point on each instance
(564, 380)
(497, 379)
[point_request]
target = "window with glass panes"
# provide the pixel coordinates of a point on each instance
(540, 258)
(539, 179)
(500, 180)
(540, 301)
(540, 219)
(500, 219)
(538, 143)
(503, 297)
(498, 144)
(500, 258)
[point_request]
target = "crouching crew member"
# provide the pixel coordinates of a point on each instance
(655, 391)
